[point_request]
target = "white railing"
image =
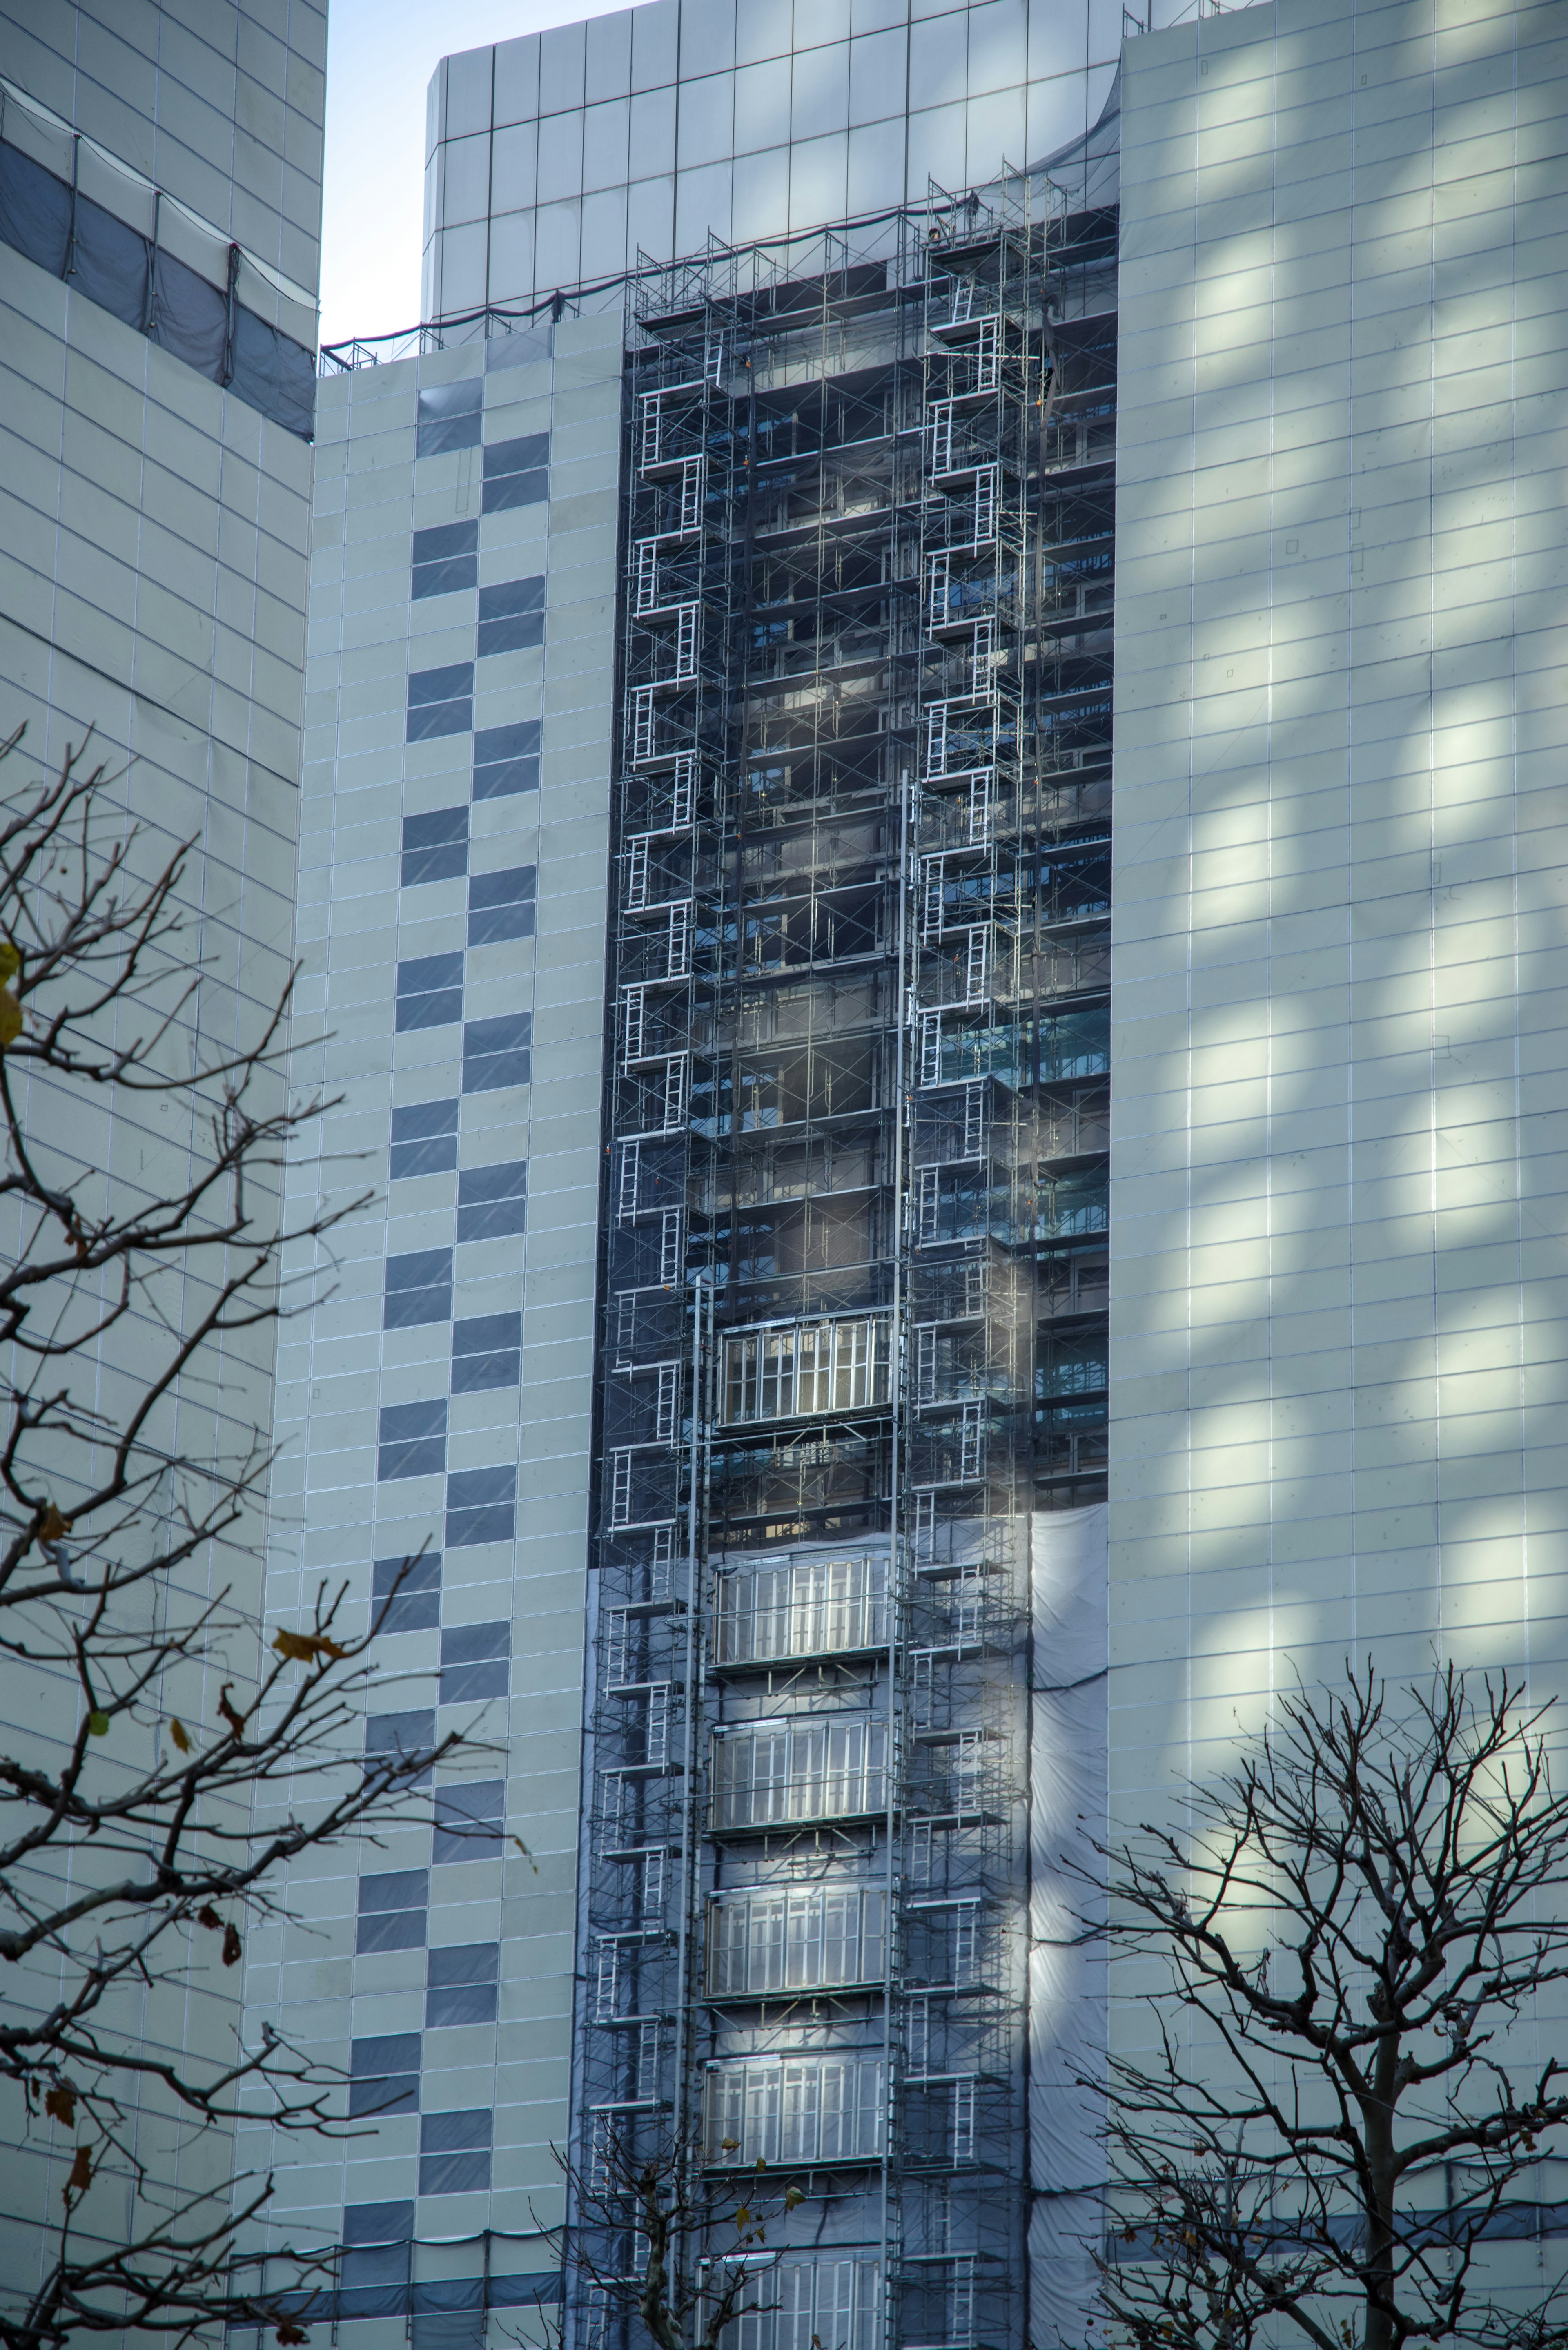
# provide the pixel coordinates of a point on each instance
(808, 1608)
(795, 2109)
(799, 1938)
(831, 2303)
(796, 1768)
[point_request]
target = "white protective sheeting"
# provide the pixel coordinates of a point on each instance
(1067, 1769)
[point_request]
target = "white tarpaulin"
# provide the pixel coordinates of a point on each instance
(1066, 1978)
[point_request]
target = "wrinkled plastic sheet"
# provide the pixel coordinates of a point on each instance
(1068, 1784)
(539, 2290)
(111, 263)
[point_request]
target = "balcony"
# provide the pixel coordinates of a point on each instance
(814, 1607)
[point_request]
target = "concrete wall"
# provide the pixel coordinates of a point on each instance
(343, 1502)
(1337, 1191)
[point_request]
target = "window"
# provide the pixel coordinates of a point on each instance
(454, 2152)
(1073, 1203)
(445, 559)
(460, 1985)
(424, 1139)
(506, 760)
(435, 847)
(415, 1600)
(495, 1052)
(805, 1367)
(516, 473)
(797, 2109)
(392, 1910)
(493, 1200)
(473, 1661)
(384, 2074)
(486, 1353)
(501, 905)
(834, 2297)
(468, 1821)
(441, 702)
(480, 1507)
(419, 1289)
(511, 616)
(413, 1440)
(430, 992)
(808, 1608)
(451, 416)
(796, 1768)
(800, 1937)
(410, 1733)
(377, 2242)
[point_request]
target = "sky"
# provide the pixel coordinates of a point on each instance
(380, 55)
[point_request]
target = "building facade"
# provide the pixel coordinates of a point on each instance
(736, 583)
(160, 203)
(686, 627)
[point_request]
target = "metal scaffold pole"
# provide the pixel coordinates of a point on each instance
(857, 777)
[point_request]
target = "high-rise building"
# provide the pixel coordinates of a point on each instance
(160, 203)
(717, 601)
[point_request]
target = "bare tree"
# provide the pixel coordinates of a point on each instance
(1336, 2106)
(140, 1282)
(655, 2237)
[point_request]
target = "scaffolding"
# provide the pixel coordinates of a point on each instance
(854, 1218)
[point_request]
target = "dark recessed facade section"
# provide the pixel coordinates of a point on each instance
(511, 616)
(492, 1202)
(384, 2074)
(409, 1591)
(435, 847)
(430, 992)
(497, 1052)
(441, 702)
(451, 416)
(424, 1139)
(454, 2152)
(445, 559)
(486, 1352)
(460, 1985)
(394, 1910)
(419, 1289)
(501, 905)
(516, 473)
(480, 1507)
(506, 760)
(468, 1820)
(408, 1733)
(411, 1441)
(474, 1662)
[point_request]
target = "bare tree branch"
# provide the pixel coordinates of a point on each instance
(132, 1847)
(686, 2254)
(1333, 2114)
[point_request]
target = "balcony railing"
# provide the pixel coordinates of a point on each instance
(810, 1608)
(797, 1769)
(764, 1942)
(795, 2109)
